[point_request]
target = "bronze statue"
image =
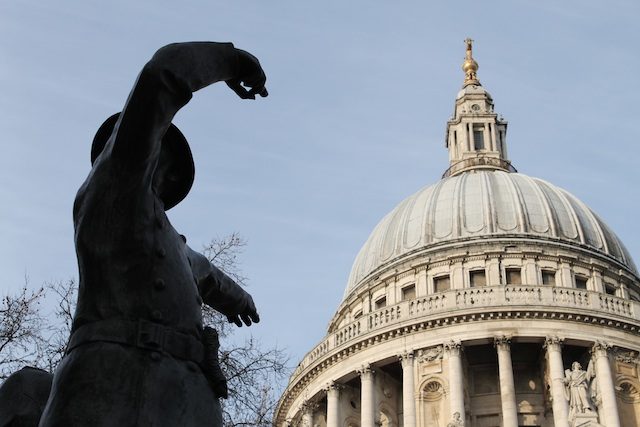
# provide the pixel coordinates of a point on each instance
(138, 353)
(23, 396)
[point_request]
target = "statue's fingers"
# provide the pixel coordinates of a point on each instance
(235, 319)
(259, 90)
(235, 86)
(255, 316)
(246, 319)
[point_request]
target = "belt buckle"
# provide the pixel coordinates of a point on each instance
(150, 336)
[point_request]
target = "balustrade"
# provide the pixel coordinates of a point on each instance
(492, 297)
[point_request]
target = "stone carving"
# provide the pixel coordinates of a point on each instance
(578, 390)
(600, 348)
(406, 359)
(138, 352)
(432, 390)
(628, 392)
(333, 386)
(502, 342)
(366, 370)
(552, 341)
(430, 354)
(453, 347)
(456, 420)
(627, 356)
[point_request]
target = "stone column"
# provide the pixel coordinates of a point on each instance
(333, 405)
(600, 354)
(556, 379)
(507, 387)
(367, 397)
(408, 390)
(307, 413)
(494, 139)
(456, 378)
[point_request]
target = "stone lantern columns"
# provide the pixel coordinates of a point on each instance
(507, 386)
(556, 378)
(408, 390)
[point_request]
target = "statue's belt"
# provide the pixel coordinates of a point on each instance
(140, 334)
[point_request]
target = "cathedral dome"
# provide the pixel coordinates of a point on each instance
(476, 302)
(479, 205)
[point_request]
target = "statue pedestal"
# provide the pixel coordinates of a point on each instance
(586, 419)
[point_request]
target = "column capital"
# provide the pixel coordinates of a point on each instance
(308, 406)
(366, 371)
(333, 386)
(406, 358)
(600, 348)
(502, 342)
(553, 342)
(453, 347)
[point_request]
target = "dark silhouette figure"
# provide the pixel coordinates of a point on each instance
(23, 396)
(138, 354)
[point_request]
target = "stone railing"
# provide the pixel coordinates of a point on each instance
(457, 301)
(479, 162)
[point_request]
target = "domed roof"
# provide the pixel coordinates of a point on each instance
(485, 204)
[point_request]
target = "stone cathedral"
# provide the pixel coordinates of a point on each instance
(488, 299)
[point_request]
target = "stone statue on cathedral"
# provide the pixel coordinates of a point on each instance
(578, 390)
(456, 420)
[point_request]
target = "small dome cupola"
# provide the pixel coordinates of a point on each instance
(476, 137)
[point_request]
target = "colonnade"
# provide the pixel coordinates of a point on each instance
(453, 351)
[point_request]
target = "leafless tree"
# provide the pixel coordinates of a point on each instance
(254, 373)
(21, 325)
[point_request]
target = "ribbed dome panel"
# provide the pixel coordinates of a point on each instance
(484, 204)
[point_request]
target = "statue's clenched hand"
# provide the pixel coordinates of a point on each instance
(250, 79)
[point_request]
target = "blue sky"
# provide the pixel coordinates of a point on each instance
(360, 92)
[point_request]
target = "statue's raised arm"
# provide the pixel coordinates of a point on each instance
(139, 353)
(166, 84)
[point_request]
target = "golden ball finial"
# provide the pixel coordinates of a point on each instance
(470, 66)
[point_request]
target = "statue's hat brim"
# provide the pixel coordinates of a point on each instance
(179, 152)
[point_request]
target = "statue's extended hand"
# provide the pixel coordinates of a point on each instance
(250, 75)
(248, 315)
